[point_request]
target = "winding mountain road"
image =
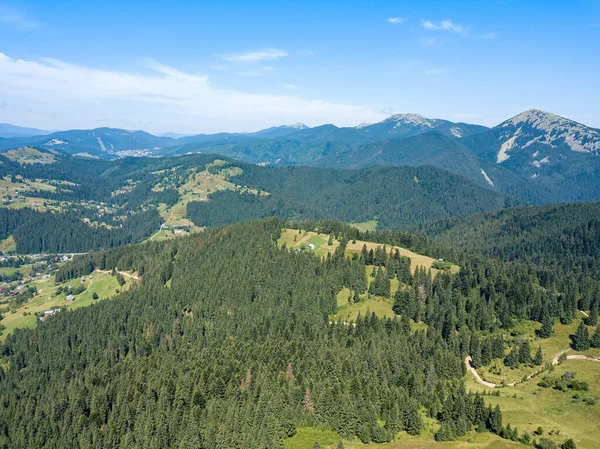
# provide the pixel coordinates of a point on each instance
(555, 361)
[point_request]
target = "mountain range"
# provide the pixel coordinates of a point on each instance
(536, 156)
(7, 130)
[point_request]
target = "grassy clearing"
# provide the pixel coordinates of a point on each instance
(306, 437)
(370, 225)
(23, 316)
(29, 155)
(8, 245)
(196, 188)
(559, 341)
(12, 192)
(301, 239)
(348, 311)
(471, 441)
(382, 307)
(528, 406)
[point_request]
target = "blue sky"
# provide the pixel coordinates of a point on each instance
(241, 66)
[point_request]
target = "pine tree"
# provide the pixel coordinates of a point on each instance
(525, 352)
(539, 358)
(512, 359)
(413, 423)
(316, 445)
(581, 339)
(340, 445)
(592, 319)
(445, 433)
(547, 323)
(494, 423)
(595, 341)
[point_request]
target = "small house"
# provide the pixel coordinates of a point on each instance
(311, 246)
(70, 298)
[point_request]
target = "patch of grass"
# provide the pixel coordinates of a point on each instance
(306, 436)
(528, 406)
(382, 307)
(103, 284)
(293, 239)
(29, 155)
(558, 342)
(370, 225)
(470, 441)
(8, 245)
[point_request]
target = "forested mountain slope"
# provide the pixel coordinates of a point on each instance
(563, 236)
(395, 196)
(227, 343)
(74, 205)
(439, 150)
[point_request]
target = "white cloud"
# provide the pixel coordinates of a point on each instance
(435, 72)
(490, 36)
(10, 16)
(290, 86)
(53, 94)
(396, 20)
(265, 54)
(444, 25)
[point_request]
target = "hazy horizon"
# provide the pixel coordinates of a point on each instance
(240, 67)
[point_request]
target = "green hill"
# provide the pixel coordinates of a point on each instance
(563, 236)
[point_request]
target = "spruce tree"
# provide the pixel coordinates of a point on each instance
(525, 352)
(539, 358)
(547, 323)
(494, 423)
(581, 339)
(592, 319)
(595, 341)
(413, 422)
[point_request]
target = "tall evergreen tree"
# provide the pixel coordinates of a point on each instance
(595, 340)
(539, 358)
(547, 324)
(581, 339)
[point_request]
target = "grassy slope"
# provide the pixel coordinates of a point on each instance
(534, 406)
(103, 284)
(196, 188)
(306, 437)
(347, 311)
(321, 247)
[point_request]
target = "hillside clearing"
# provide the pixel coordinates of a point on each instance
(23, 315)
(295, 239)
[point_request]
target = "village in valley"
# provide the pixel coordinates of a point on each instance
(30, 294)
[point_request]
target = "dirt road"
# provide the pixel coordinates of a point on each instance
(555, 360)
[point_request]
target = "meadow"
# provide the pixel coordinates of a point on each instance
(23, 315)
